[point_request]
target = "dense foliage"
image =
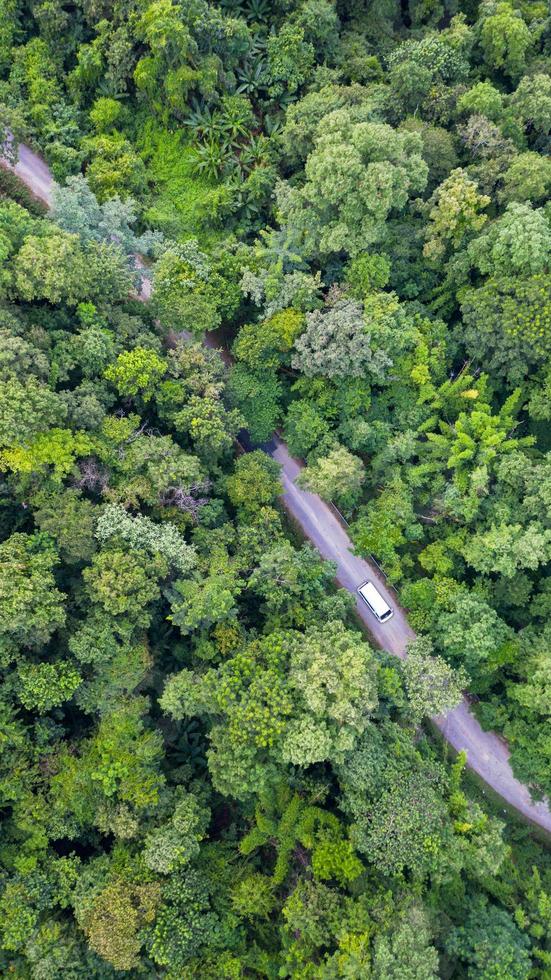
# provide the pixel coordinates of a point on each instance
(207, 771)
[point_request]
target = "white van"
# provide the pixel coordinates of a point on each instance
(373, 598)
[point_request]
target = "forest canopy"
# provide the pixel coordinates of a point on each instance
(207, 769)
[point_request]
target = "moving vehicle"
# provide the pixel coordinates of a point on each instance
(373, 598)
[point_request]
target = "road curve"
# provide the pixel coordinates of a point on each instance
(487, 754)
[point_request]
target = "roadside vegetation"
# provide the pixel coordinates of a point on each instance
(207, 772)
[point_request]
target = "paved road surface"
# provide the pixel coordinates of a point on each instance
(33, 172)
(487, 754)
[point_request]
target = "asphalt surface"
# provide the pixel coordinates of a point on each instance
(487, 753)
(34, 172)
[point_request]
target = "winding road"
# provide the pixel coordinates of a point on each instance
(487, 754)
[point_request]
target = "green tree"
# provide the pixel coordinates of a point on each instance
(32, 608)
(438, 150)
(254, 482)
(253, 897)
(407, 953)
(40, 262)
(432, 686)
(454, 214)
(442, 54)
(312, 918)
(528, 178)
(284, 820)
(257, 396)
(472, 634)
(70, 520)
(305, 428)
(407, 826)
(503, 37)
(410, 83)
(284, 698)
(187, 922)
(105, 113)
(290, 59)
(125, 583)
(204, 600)
(44, 686)
(385, 525)
(491, 944)
(293, 584)
(27, 408)
(338, 477)
(518, 243)
(508, 323)
(116, 776)
(262, 345)
(337, 344)
(141, 466)
(368, 271)
(137, 372)
(304, 117)
(211, 427)
(531, 101)
(356, 173)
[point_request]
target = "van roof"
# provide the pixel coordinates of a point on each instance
(379, 605)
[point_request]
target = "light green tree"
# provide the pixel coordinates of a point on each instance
(339, 477)
(482, 99)
(124, 583)
(137, 373)
(518, 243)
(507, 548)
(57, 268)
(503, 37)
(356, 173)
(184, 290)
(531, 101)
(407, 953)
(471, 446)
(432, 686)
(44, 686)
(528, 178)
(455, 214)
(290, 59)
(254, 482)
(32, 608)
